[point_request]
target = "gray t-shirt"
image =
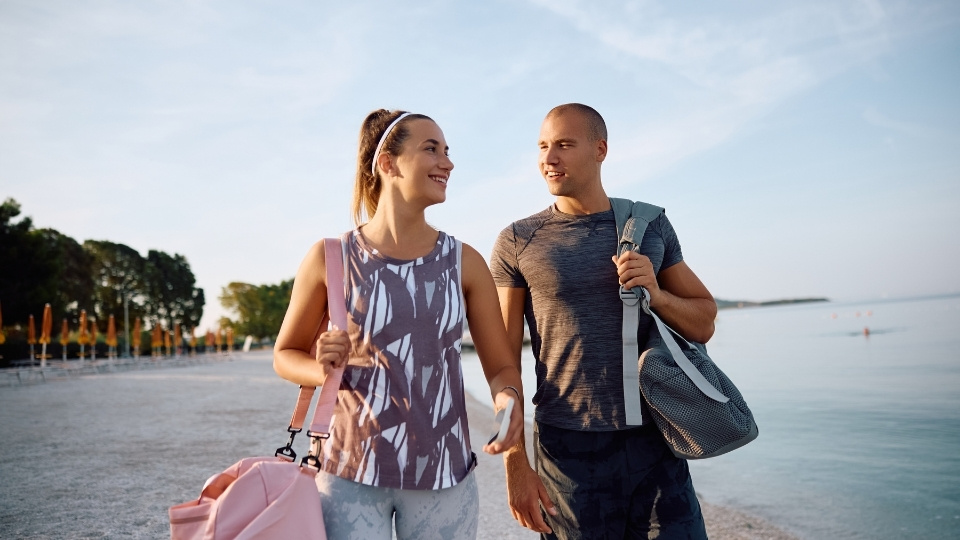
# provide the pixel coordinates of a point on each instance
(574, 310)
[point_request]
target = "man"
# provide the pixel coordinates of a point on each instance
(596, 476)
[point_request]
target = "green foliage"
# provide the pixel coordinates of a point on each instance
(118, 272)
(39, 267)
(73, 269)
(171, 286)
(260, 308)
(44, 266)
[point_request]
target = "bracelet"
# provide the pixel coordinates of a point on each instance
(515, 391)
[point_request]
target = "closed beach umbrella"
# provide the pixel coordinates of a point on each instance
(229, 338)
(166, 342)
(2, 337)
(156, 339)
(177, 339)
(31, 336)
(136, 337)
(111, 332)
(46, 327)
(93, 339)
(83, 337)
(64, 338)
(31, 333)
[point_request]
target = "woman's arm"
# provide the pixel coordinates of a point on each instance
(489, 337)
(308, 303)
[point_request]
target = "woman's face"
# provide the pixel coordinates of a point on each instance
(424, 164)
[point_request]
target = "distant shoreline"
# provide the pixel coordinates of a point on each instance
(737, 304)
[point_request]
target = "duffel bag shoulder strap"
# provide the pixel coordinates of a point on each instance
(632, 220)
(676, 353)
(337, 311)
(630, 229)
(323, 410)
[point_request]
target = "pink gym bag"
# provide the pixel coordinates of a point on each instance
(273, 497)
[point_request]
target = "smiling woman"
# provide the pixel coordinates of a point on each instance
(399, 453)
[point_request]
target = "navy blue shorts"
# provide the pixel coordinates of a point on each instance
(616, 484)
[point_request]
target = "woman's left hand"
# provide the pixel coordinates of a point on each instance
(515, 431)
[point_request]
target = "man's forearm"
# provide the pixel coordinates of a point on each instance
(692, 317)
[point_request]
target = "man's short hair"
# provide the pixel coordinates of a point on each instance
(595, 124)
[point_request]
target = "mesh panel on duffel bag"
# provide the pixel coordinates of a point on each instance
(694, 425)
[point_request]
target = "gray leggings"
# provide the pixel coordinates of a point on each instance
(356, 511)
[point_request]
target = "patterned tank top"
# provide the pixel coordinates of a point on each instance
(401, 417)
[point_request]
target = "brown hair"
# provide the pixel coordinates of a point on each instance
(595, 124)
(366, 189)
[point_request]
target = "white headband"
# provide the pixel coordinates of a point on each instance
(383, 137)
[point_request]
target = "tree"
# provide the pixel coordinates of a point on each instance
(171, 286)
(39, 267)
(260, 309)
(73, 272)
(119, 280)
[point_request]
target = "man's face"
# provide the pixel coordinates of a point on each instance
(569, 159)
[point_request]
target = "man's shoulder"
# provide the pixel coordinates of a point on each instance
(524, 228)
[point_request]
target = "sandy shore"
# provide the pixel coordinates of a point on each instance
(104, 456)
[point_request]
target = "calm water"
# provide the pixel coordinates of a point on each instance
(859, 434)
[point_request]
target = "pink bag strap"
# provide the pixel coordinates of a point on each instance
(337, 312)
(337, 308)
(303, 405)
(323, 412)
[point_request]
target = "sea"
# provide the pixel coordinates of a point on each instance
(858, 406)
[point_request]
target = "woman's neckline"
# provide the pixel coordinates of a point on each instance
(368, 246)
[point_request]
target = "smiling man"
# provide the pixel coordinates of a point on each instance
(597, 476)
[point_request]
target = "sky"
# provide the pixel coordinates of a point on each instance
(801, 148)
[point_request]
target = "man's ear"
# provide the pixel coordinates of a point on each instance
(601, 150)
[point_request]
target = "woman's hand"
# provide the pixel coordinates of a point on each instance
(515, 431)
(333, 349)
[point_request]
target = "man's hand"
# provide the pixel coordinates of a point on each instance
(525, 493)
(636, 270)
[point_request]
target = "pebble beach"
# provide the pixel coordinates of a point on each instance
(105, 454)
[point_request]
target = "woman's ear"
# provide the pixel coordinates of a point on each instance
(387, 164)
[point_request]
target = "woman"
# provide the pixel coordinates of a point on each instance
(400, 445)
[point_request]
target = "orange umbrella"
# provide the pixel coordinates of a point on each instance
(31, 336)
(229, 338)
(166, 342)
(31, 333)
(83, 337)
(93, 339)
(2, 337)
(156, 337)
(46, 327)
(136, 337)
(177, 338)
(64, 337)
(111, 332)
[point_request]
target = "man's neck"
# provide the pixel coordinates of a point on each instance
(584, 205)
